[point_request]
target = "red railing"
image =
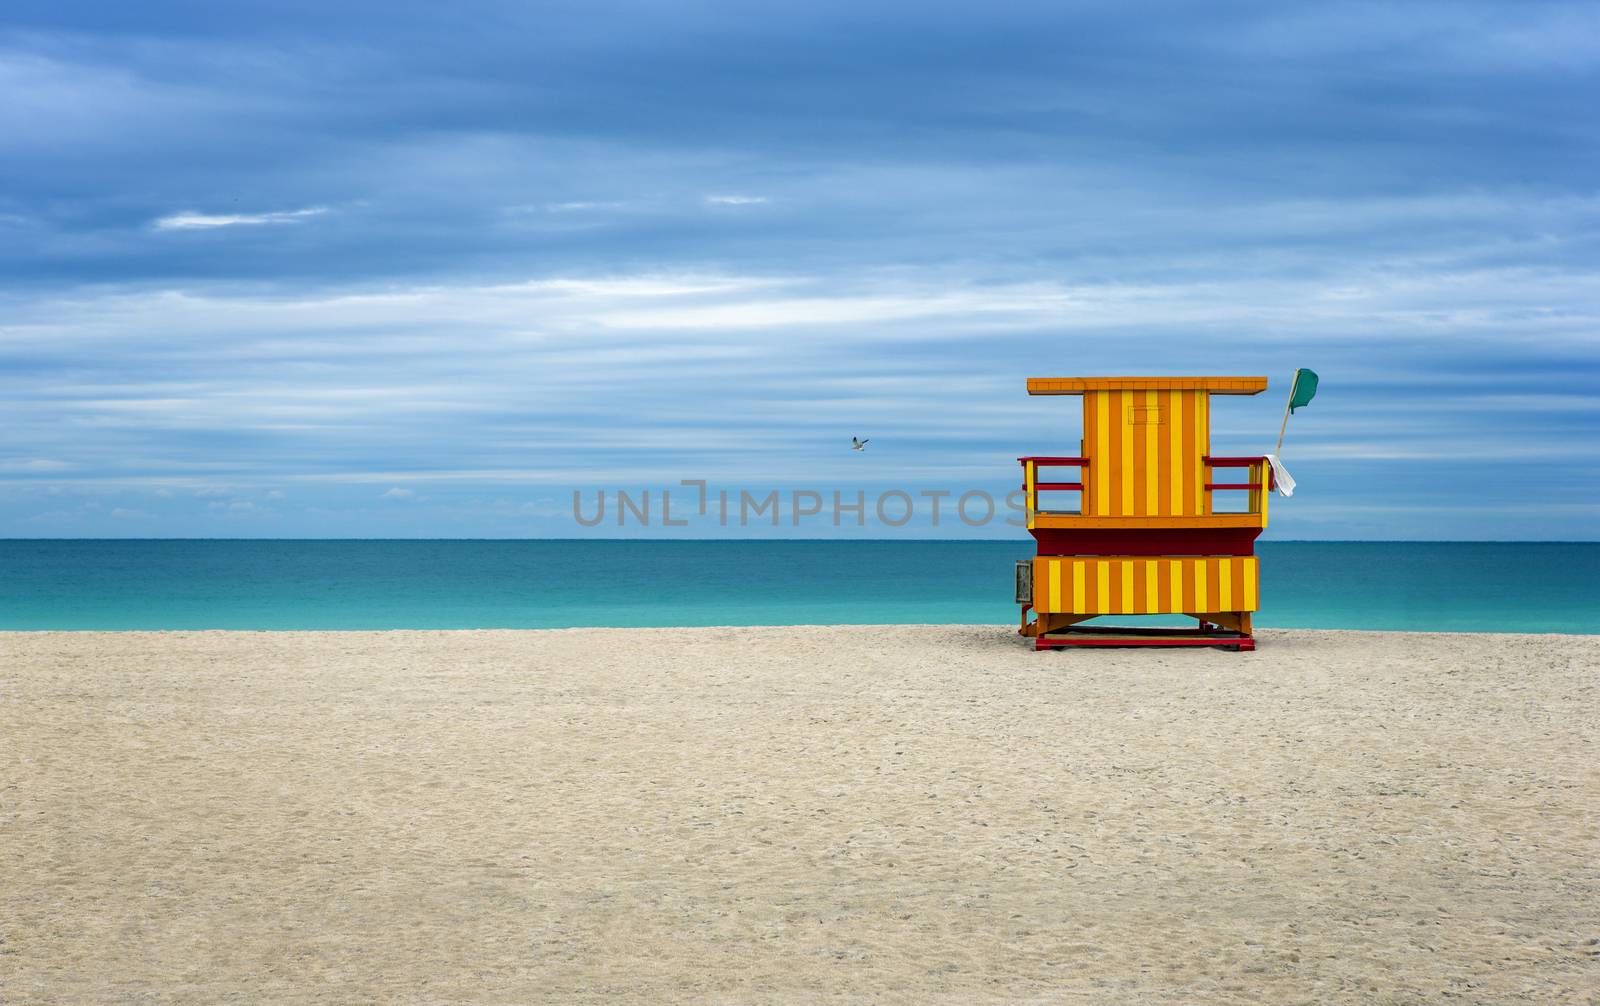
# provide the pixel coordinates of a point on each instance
(1249, 462)
(1259, 473)
(1033, 487)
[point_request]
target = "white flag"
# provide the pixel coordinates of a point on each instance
(1281, 475)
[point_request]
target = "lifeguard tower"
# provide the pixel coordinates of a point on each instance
(1144, 527)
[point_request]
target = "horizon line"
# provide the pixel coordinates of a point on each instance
(737, 540)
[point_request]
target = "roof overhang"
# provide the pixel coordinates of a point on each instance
(1082, 385)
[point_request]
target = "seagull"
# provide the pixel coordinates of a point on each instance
(858, 445)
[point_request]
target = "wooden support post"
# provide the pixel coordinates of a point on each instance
(1238, 621)
(1051, 621)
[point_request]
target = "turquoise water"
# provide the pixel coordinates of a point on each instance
(212, 584)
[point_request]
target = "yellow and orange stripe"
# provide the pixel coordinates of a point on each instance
(1146, 445)
(1136, 585)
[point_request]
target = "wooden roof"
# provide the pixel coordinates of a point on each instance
(1079, 385)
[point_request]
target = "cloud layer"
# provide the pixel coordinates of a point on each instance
(293, 272)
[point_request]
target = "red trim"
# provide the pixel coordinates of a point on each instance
(1243, 643)
(1233, 485)
(1057, 486)
(1172, 541)
(1112, 635)
(1147, 630)
(1057, 461)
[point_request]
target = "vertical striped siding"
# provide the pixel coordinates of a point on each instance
(1175, 442)
(1151, 469)
(1150, 463)
(1129, 464)
(1098, 406)
(1138, 586)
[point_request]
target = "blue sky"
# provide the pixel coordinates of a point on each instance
(424, 269)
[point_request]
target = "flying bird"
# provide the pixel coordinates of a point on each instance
(858, 445)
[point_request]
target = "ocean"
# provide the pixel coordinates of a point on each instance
(460, 584)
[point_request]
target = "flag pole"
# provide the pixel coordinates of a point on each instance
(1282, 429)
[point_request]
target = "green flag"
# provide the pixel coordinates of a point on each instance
(1305, 388)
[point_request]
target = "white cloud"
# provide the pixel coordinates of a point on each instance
(204, 221)
(735, 200)
(565, 206)
(574, 207)
(649, 285)
(643, 378)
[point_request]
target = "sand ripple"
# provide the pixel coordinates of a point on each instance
(906, 814)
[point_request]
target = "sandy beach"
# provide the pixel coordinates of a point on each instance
(888, 814)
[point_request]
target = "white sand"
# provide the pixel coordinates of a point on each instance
(906, 814)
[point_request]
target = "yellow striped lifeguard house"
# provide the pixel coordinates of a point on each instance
(1145, 527)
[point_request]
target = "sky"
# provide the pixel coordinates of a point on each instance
(426, 270)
